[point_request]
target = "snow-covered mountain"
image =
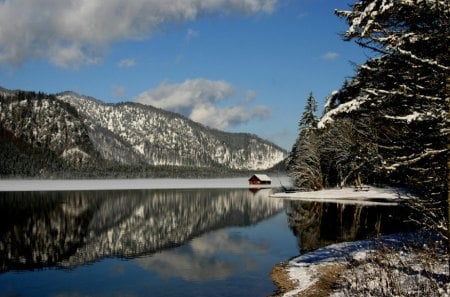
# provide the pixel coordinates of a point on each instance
(82, 132)
(41, 131)
(132, 133)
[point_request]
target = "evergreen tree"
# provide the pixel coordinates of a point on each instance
(348, 155)
(309, 118)
(303, 163)
(403, 90)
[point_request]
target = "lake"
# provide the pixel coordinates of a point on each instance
(196, 242)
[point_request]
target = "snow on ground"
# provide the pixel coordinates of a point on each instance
(303, 269)
(411, 271)
(8, 185)
(345, 195)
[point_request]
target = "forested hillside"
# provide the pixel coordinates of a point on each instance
(41, 135)
(69, 135)
(132, 133)
(389, 123)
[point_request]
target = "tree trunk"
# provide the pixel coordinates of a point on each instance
(448, 173)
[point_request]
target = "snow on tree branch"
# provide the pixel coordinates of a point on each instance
(381, 92)
(408, 118)
(409, 160)
(422, 60)
(346, 107)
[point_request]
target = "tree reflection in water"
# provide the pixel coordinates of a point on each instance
(317, 224)
(44, 229)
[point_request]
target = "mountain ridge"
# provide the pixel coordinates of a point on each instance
(151, 107)
(85, 132)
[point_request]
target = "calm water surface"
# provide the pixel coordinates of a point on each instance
(165, 242)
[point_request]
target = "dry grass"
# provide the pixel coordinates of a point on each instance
(280, 277)
(327, 276)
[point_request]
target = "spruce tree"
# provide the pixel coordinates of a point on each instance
(403, 89)
(309, 118)
(304, 159)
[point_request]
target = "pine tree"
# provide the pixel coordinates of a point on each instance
(304, 160)
(404, 89)
(309, 118)
(401, 91)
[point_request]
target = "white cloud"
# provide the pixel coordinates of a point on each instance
(330, 56)
(71, 56)
(222, 118)
(250, 95)
(185, 96)
(191, 34)
(126, 63)
(71, 32)
(199, 99)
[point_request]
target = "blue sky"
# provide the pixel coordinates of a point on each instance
(236, 65)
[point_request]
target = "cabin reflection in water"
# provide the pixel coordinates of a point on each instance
(318, 224)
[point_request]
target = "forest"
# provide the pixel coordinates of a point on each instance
(73, 136)
(388, 124)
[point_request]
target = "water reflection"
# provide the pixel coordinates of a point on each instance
(210, 257)
(42, 229)
(318, 224)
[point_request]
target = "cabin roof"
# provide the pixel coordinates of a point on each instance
(261, 177)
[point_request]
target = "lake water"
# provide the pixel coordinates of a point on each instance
(221, 242)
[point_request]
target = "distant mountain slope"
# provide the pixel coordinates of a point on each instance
(42, 125)
(131, 133)
(73, 132)
(20, 158)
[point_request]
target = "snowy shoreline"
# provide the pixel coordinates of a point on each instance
(305, 274)
(28, 185)
(347, 195)
(305, 270)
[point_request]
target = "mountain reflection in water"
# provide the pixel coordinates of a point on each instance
(41, 229)
(205, 242)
